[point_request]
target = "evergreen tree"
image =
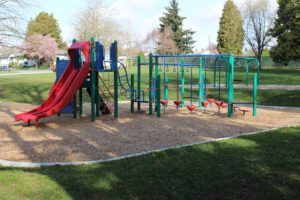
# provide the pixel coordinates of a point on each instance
(46, 24)
(172, 19)
(287, 32)
(231, 34)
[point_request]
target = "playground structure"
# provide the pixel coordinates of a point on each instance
(87, 63)
(87, 60)
(190, 63)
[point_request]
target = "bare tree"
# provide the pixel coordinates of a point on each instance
(258, 20)
(161, 42)
(95, 20)
(12, 21)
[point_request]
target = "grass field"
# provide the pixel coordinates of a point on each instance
(35, 88)
(264, 166)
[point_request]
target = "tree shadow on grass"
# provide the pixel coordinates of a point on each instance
(34, 94)
(264, 166)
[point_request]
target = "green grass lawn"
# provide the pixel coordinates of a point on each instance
(263, 166)
(26, 88)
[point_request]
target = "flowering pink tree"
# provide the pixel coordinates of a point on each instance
(42, 48)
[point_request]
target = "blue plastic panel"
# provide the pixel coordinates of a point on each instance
(113, 50)
(61, 66)
(100, 57)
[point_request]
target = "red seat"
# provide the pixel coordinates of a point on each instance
(211, 100)
(164, 102)
(177, 102)
(191, 107)
(219, 103)
(205, 103)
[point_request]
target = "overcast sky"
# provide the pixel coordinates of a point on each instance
(141, 16)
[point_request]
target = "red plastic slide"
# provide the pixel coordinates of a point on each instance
(65, 89)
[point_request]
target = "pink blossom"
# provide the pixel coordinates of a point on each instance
(40, 47)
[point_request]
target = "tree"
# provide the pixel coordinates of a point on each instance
(182, 37)
(258, 20)
(287, 32)
(161, 42)
(46, 24)
(11, 21)
(95, 21)
(231, 33)
(39, 47)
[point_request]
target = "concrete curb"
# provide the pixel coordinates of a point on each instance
(15, 164)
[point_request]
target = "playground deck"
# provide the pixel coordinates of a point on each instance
(64, 139)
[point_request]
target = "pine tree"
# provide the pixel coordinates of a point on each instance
(172, 19)
(286, 30)
(46, 24)
(231, 34)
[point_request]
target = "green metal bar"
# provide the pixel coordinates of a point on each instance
(93, 79)
(158, 94)
(116, 89)
(56, 71)
(166, 89)
(254, 95)
(139, 82)
(156, 74)
(74, 102)
(215, 71)
(230, 85)
(150, 83)
(97, 98)
(56, 79)
(74, 105)
(132, 94)
(200, 83)
(182, 82)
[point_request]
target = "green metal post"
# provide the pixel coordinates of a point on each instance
(182, 81)
(166, 88)
(74, 102)
(74, 105)
(139, 82)
(201, 92)
(97, 96)
(254, 94)
(158, 95)
(156, 74)
(150, 83)
(93, 79)
(132, 94)
(230, 85)
(56, 72)
(116, 89)
(247, 72)
(215, 72)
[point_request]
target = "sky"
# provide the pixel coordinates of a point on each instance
(141, 16)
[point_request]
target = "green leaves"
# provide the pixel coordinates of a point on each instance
(286, 30)
(231, 34)
(46, 24)
(172, 19)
